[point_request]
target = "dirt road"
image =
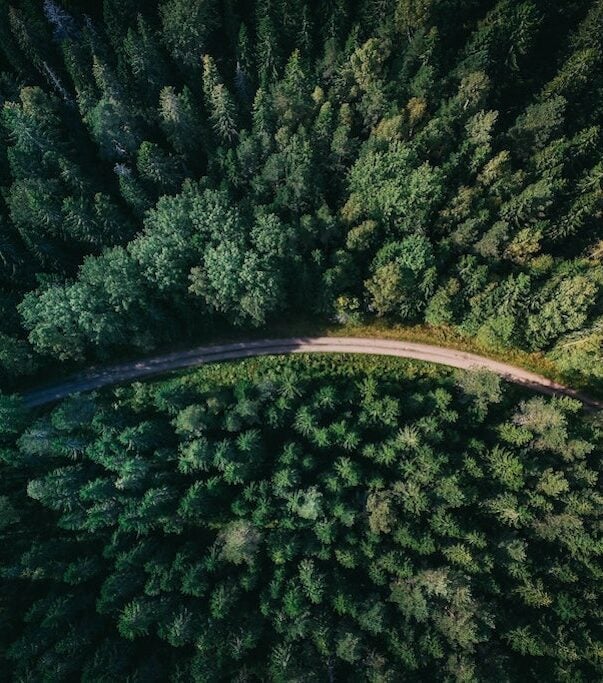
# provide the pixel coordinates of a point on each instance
(95, 378)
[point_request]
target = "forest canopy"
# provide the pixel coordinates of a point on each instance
(303, 519)
(196, 170)
(169, 167)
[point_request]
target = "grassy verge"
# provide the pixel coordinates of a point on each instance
(438, 336)
(300, 327)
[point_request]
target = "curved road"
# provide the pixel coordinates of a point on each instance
(96, 378)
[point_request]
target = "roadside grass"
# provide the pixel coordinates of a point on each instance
(378, 328)
(437, 336)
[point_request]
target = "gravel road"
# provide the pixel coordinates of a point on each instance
(95, 378)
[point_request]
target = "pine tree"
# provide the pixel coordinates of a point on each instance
(268, 51)
(145, 61)
(218, 102)
(187, 26)
(162, 170)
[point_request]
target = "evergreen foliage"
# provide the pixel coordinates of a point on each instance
(173, 168)
(424, 161)
(302, 519)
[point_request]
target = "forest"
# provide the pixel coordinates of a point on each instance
(175, 168)
(305, 519)
(181, 172)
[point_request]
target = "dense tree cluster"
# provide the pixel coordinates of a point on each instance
(302, 520)
(170, 166)
(181, 167)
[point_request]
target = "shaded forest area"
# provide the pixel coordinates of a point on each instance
(175, 168)
(171, 167)
(302, 519)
